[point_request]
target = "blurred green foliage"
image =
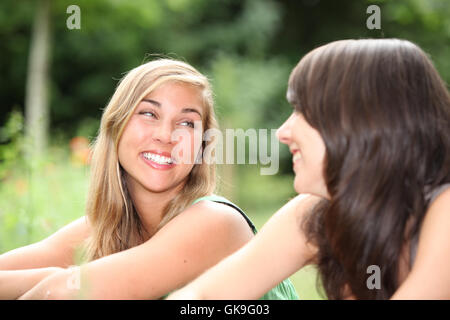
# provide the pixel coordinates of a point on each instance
(247, 48)
(37, 196)
(11, 141)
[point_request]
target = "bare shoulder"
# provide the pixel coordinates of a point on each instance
(203, 234)
(221, 212)
(214, 218)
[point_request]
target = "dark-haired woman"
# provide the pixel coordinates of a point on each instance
(370, 141)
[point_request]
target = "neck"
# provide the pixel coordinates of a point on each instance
(150, 205)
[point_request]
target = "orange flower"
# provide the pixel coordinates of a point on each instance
(80, 151)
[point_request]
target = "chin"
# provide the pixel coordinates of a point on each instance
(156, 188)
(163, 186)
(160, 189)
(301, 189)
(298, 188)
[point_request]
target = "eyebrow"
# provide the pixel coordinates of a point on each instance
(184, 110)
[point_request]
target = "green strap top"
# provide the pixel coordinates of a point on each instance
(284, 290)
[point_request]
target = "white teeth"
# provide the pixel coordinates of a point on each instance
(296, 156)
(157, 158)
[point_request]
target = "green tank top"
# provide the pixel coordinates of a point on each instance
(284, 290)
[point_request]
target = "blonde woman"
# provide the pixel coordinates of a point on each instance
(149, 227)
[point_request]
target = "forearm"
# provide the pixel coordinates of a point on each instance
(184, 294)
(189, 292)
(14, 283)
(222, 281)
(61, 285)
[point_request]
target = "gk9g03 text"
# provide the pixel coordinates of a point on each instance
(246, 309)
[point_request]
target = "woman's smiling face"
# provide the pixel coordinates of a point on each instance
(308, 153)
(145, 148)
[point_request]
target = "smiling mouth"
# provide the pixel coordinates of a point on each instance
(157, 158)
(296, 156)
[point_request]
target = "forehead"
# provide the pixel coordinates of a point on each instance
(178, 97)
(177, 90)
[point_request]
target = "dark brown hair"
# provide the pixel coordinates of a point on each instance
(384, 115)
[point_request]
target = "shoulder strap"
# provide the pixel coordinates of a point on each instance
(227, 202)
(433, 194)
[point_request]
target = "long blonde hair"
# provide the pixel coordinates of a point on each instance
(115, 224)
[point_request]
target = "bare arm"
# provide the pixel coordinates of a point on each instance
(277, 251)
(54, 251)
(14, 283)
(193, 241)
(430, 275)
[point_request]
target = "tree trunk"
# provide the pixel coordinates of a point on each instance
(36, 95)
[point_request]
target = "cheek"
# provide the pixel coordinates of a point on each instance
(187, 147)
(314, 159)
(314, 147)
(122, 146)
(123, 153)
(135, 133)
(193, 142)
(320, 151)
(311, 163)
(129, 142)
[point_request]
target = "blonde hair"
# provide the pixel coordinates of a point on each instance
(115, 224)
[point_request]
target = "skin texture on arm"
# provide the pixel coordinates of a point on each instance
(430, 275)
(193, 241)
(276, 252)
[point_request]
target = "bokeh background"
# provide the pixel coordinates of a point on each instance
(247, 48)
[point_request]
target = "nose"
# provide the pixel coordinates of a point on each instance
(163, 133)
(284, 131)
